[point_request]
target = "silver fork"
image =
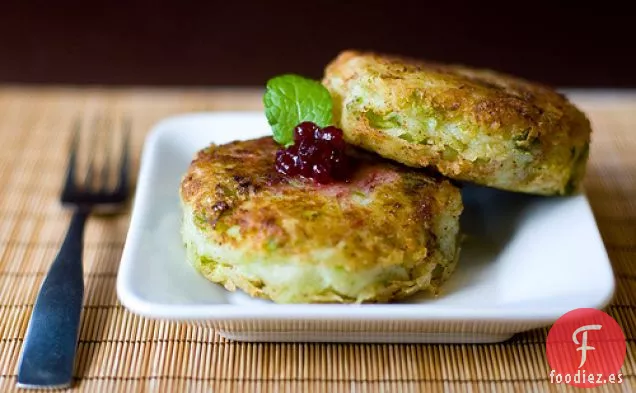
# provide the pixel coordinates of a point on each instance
(48, 354)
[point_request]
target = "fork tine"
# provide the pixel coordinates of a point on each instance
(94, 139)
(107, 158)
(122, 183)
(72, 160)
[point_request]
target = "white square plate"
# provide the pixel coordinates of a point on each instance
(526, 261)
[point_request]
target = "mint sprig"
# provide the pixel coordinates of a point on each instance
(291, 99)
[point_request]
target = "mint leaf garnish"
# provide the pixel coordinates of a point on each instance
(291, 99)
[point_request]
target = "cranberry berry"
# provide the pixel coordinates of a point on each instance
(305, 130)
(286, 162)
(331, 133)
(317, 153)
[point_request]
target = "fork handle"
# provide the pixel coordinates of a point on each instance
(48, 354)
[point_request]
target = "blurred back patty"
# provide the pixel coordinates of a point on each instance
(389, 232)
(472, 125)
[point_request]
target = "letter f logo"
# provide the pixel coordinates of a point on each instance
(584, 347)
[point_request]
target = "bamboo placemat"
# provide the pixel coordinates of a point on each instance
(120, 352)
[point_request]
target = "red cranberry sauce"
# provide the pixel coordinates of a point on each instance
(317, 153)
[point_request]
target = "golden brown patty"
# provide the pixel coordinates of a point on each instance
(472, 125)
(389, 232)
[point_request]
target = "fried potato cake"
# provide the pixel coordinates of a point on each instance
(388, 232)
(470, 124)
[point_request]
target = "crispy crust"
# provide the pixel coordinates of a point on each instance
(532, 138)
(388, 215)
